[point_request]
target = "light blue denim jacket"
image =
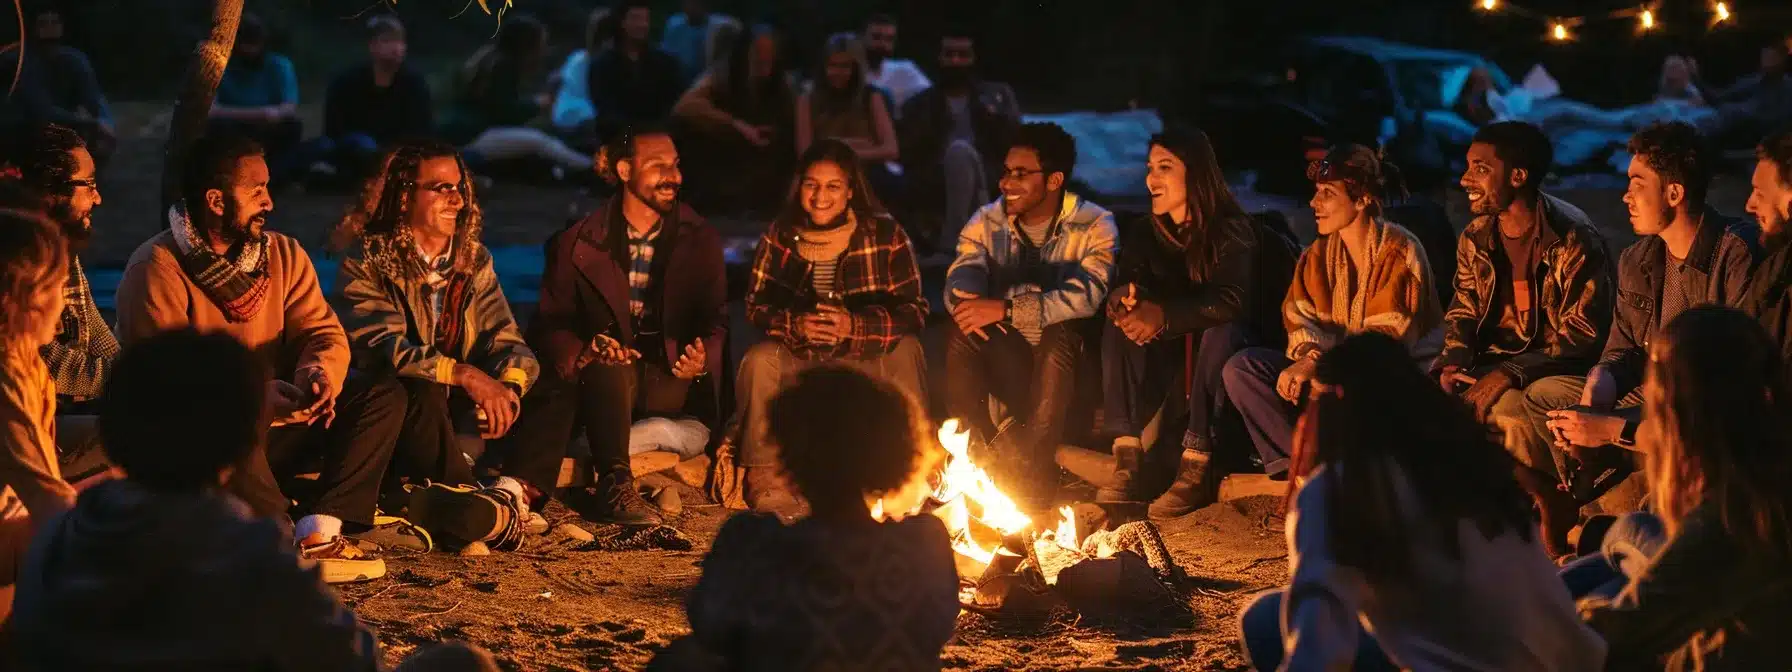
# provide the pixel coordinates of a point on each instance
(1079, 248)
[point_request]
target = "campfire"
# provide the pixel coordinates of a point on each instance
(1011, 566)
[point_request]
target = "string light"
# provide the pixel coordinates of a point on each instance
(1561, 28)
(1490, 5)
(1559, 32)
(1646, 19)
(1722, 12)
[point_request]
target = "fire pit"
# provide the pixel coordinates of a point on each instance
(1010, 567)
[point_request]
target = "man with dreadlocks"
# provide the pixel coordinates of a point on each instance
(632, 319)
(215, 269)
(52, 165)
(420, 300)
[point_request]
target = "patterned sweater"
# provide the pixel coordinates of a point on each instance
(82, 353)
(1331, 299)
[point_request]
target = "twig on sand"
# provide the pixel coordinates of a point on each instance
(1259, 561)
(436, 613)
(383, 591)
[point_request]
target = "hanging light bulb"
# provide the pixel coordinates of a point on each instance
(1558, 31)
(1646, 20)
(1721, 11)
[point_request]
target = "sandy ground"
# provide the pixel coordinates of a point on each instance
(552, 607)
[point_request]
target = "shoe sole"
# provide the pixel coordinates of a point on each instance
(351, 571)
(445, 512)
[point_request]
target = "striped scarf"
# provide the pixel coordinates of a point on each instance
(240, 287)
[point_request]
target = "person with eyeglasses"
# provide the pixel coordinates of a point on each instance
(1025, 292)
(1363, 274)
(56, 176)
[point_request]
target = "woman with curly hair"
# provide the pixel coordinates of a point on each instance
(419, 300)
(33, 267)
(1405, 522)
(1710, 588)
(839, 589)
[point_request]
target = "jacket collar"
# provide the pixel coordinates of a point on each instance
(1559, 219)
(1066, 210)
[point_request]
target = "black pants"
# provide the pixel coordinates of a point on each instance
(354, 451)
(428, 445)
(604, 399)
(1035, 382)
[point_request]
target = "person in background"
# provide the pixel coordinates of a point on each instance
(33, 267)
(834, 280)
(56, 85)
(1760, 102)
(1185, 299)
(899, 78)
(1032, 272)
(491, 111)
(632, 82)
(375, 104)
(1364, 273)
(1716, 594)
(691, 37)
(183, 410)
(740, 117)
(955, 137)
(60, 177)
(1770, 201)
(1535, 296)
(216, 269)
(1680, 81)
(420, 301)
(816, 593)
(1404, 522)
(632, 320)
(574, 116)
(258, 97)
(1689, 254)
(841, 105)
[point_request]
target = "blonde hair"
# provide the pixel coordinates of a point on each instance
(33, 255)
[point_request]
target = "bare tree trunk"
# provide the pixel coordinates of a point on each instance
(196, 93)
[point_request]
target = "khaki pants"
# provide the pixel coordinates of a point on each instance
(768, 367)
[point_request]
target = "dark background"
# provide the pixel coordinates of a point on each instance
(1059, 54)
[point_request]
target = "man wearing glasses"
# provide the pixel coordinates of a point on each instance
(1032, 269)
(56, 172)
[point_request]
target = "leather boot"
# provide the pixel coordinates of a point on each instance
(766, 492)
(1129, 457)
(1197, 485)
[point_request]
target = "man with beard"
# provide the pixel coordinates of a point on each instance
(1689, 255)
(215, 269)
(58, 175)
(56, 85)
(633, 314)
(954, 137)
(1770, 291)
(1032, 271)
(900, 78)
(258, 96)
(1532, 301)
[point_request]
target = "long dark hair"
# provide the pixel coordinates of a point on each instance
(734, 85)
(1210, 199)
(863, 204)
(381, 210)
(1717, 427)
(824, 97)
(1379, 416)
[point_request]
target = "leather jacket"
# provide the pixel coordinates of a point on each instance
(1572, 297)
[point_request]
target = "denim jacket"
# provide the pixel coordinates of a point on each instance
(1078, 250)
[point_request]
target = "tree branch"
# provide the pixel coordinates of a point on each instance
(197, 90)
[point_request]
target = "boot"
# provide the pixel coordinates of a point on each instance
(618, 502)
(1128, 458)
(766, 492)
(1197, 485)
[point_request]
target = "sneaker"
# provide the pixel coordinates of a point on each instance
(455, 514)
(394, 533)
(616, 501)
(341, 561)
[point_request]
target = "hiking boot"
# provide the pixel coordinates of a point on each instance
(1197, 485)
(394, 533)
(766, 492)
(341, 561)
(617, 502)
(1129, 456)
(458, 515)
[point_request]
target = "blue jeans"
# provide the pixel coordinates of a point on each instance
(1260, 628)
(1628, 547)
(1250, 378)
(1135, 378)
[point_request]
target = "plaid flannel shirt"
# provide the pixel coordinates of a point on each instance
(877, 280)
(640, 270)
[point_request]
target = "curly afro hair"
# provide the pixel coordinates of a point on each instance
(843, 436)
(1677, 152)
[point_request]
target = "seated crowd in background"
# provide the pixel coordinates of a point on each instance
(56, 85)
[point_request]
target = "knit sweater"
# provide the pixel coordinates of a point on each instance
(296, 329)
(30, 479)
(1330, 298)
